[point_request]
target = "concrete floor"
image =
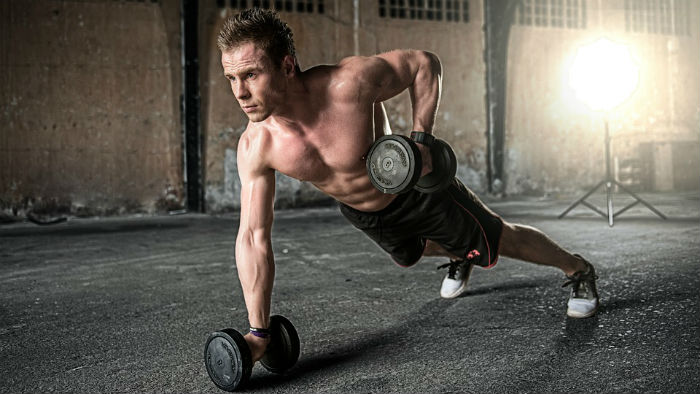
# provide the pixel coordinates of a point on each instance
(125, 305)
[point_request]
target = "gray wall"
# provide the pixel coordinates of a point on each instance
(90, 120)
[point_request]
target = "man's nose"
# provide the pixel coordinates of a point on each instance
(241, 91)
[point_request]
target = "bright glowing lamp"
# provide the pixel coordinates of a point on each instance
(603, 75)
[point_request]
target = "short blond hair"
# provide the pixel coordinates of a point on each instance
(263, 28)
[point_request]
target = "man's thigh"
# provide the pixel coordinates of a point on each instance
(461, 223)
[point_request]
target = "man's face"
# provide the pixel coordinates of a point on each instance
(258, 85)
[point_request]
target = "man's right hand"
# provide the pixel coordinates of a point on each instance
(257, 346)
(427, 159)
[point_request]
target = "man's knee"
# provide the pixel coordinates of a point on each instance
(435, 249)
(405, 263)
(407, 255)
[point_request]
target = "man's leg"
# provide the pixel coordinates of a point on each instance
(525, 243)
(532, 245)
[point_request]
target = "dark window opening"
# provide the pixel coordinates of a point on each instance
(560, 14)
(431, 10)
(301, 6)
(669, 17)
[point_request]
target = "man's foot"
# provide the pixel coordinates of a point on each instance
(455, 282)
(583, 301)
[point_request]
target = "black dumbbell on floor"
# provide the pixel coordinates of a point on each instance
(394, 164)
(229, 362)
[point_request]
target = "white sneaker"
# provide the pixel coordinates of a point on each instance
(455, 282)
(583, 301)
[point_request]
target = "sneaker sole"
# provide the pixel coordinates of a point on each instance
(456, 293)
(578, 315)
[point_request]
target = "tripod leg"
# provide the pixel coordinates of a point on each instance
(636, 197)
(581, 199)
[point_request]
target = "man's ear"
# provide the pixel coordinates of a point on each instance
(289, 66)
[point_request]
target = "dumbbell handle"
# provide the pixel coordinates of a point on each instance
(422, 138)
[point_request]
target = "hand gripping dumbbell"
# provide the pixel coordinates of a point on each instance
(229, 362)
(394, 164)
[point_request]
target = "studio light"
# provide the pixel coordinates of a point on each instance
(604, 75)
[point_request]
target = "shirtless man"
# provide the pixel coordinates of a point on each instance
(316, 126)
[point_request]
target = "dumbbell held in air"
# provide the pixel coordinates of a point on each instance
(394, 164)
(229, 362)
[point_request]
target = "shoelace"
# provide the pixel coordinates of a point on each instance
(577, 278)
(452, 267)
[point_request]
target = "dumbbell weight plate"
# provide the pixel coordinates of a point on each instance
(228, 359)
(394, 164)
(444, 168)
(283, 351)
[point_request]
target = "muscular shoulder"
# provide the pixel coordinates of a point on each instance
(252, 150)
(363, 70)
(352, 78)
(370, 75)
(360, 63)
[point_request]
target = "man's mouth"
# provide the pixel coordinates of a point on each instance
(249, 108)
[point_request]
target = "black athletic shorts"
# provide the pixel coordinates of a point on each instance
(454, 218)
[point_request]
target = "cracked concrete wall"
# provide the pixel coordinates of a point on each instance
(90, 106)
(327, 38)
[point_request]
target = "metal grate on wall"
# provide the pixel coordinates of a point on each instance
(669, 17)
(299, 6)
(560, 14)
(431, 10)
(113, 1)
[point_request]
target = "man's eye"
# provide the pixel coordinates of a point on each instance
(250, 75)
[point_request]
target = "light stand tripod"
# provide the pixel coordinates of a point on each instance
(609, 183)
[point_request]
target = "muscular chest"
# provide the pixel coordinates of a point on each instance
(334, 145)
